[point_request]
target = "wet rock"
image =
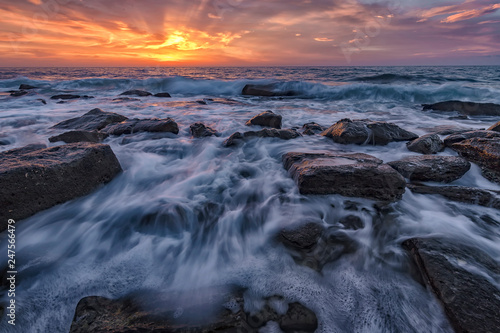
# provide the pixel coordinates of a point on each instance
(298, 318)
(495, 127)
(351, 175)
(41, 100)
(266, 119)
(130, 126)
(483, 151)
(65, 96)
(312, 129)
(352, 222)
(199, 130)
(93, 120)
(448, 129)
(465, 194)
(125, 99)
(267, 90)
(283, 134)
(33, 179)
(426, 144)
(455, 138)
(163, 95)
(303, 237)
(365, 131)
(26, 87)
(79, 136)
(465, 108)
(432, 168)
(470, 300)
(18, 93)
(136, 92)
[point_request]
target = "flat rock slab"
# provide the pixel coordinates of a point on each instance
(266, 119)
(136, 92)
(364, 131)
(266, 90)
(466, 108)
(93, 120)
(495, 127)
(34, 179)
(200, 130)
(483, 151)
(351, 175)
(79, 136)
(455, 138)
(283, 134)
(471, 302)
(432, 168)
(154, 125)
(426, 144)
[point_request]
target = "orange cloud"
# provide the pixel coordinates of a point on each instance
(469, 14)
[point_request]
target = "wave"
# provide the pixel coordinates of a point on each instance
(393, 78)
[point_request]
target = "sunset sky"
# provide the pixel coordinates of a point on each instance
(248, 32)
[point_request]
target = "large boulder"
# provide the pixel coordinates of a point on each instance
(33, 179)
(267, 90)
(454, 272)
(200, 130)
(130, 126)
(79, 136)
(266, 119)
(432, 168)
(426, 144)
(93, 120)
(495, 127)
(364, 131)
(465, 108)
(351, 175)
(136, 92)
(483, 151)
(283, 134)
(455, 138)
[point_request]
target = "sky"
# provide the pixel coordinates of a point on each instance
(249, 32)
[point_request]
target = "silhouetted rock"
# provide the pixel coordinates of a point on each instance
(79, 136)
(136, 92)
(18, 93)
(266, 119)
(365, 131)
(267, 90)
(199, 130)
(125, 99)
(284, 134)
(351, 175)
(312, 129)
(164, 95)
(65, 96)
(471, 301)
(432, 168)
(455, 138)
(93, 120)
(42, 101)
(130, 126)
(34, 178)
(26, 87)
(426, 144)
(466, 108)
(483, 151)
(495, 127)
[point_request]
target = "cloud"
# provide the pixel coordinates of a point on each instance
(469, 14)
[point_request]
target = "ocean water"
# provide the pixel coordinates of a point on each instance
(188, 213)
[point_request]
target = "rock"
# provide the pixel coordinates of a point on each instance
(465, 194)
(130, 126)
(495, 127)
(65, 96)
(483, 151)
(18, 93)
(283, 134)
(465, 108)
(298, 318)
(125, 99)
(93, 120)
(312, 129)
(365, 131)
(455, 138)
(199, 130)
(33, 179)
(470, 300)
(351, 175)
(432, 168)
(136, 92)
(79, 136)
(267, 90)
(266, 119)
(164, 95)
(426, 144)
(352, 222)
(303, 237)
(41, 100)
(26, 87)
(448, 129)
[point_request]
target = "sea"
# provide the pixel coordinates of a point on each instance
(188, 213)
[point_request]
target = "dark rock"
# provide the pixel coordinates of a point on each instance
(125, 99)
(267, 119)
(466, 108)
(93, 120)
(495, 127)
(448, 130)
(352, 222)
(79, 136)
(199, 130)
(164, 95)
(351, 175)
(298, 318)
(455, 138)
(65, 96)
(283, 134)
(461, 117)
(470, 300)
(42, 101)
(18, 93)
(135, 92)
(432, 168)
(142, 125)
(267, 90)
(365, 131)
(483, 151)
(426, 144)
(26, 87)
(312, 129)
(34, 179)
(461, 194)
(303, 237)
